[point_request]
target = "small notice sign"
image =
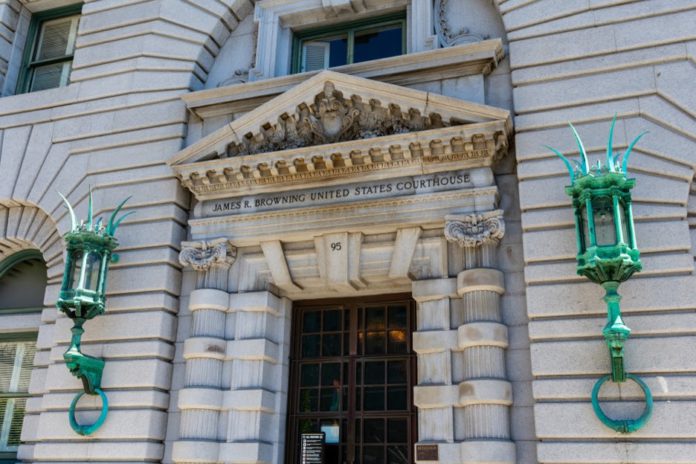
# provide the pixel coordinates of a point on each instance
(427, 453)
(312, 448)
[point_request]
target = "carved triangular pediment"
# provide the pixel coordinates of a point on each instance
(333, 107)
(334, 124)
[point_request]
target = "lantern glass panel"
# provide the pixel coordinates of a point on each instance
(603, 213)
(76, 270)
(585, 226)
(92, 264)
(624, 223)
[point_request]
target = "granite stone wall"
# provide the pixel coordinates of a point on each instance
(584, 61)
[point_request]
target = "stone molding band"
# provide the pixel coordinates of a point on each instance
(480, 279)
(467, 393)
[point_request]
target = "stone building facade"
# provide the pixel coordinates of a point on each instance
(297, 230)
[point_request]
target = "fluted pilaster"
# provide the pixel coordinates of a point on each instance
(482, 414)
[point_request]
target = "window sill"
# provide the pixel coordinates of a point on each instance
(422, 67)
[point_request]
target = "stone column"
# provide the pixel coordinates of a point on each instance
(257, 398)
(201, 399)
(484, 397)
(435, 394)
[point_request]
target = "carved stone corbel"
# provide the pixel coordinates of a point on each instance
(203, 255)
(474, 230)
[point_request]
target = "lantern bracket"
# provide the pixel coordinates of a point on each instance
(623, 425)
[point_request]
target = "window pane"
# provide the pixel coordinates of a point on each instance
(374, 344)
(310, 346)
(398, 431)
(310, 321)
(397, 341)
(309, 375)
(331, 345)
(375, 318)
(332, 321)
(374, 373)
(396, 400)
(324, 53)
(331, 374)
(29, 349)
(397, 455)
(372, 45)
(309, 399)
(373, 455)
(16, 424)
(55, 39)
(7, 359)
(396, 372)
(373, 431)
(50, 76)
(374, 399)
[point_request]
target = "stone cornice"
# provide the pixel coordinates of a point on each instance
(430, 151)
(452, 62)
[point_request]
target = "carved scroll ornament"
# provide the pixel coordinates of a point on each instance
(201, 256)
(445, 35)
(473, 230)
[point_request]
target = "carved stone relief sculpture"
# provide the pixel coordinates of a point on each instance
(334, 118)
(473, 230)
(203, 255)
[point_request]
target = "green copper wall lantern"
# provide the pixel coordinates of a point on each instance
(89, 249)
(607, 253)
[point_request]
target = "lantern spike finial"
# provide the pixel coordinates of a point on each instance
(113, 222)
(583, 153)
(610, 145)
(627, 154)
(73, 218)
(565, 161)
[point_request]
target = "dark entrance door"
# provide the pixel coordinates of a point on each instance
(352, 374)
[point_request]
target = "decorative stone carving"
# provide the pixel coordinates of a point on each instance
(334, 118)
(445, 35)
(203, 255)
(473, 230)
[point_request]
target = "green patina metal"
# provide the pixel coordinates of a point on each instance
(607, 252)
(89, 245)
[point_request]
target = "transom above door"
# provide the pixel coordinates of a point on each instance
(352, 376)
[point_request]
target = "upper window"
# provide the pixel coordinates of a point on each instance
(350, 43)
(49, 51)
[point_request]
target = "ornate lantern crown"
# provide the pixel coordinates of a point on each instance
(601, 197)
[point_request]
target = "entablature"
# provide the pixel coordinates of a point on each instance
(333, 128)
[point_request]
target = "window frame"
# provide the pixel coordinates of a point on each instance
(37, 20)
(350, 29)
(7, 456)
